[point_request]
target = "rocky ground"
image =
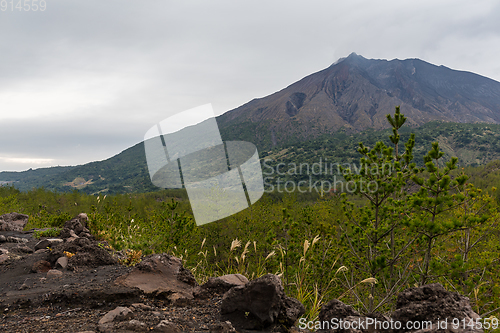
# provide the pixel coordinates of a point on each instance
(73, 283)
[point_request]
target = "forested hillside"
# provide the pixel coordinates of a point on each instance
(126, 172)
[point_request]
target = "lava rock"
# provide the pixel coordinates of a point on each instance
(87, 253)
(120, 313)
(223, 283)
(22, 249)
(13, 222)
(48, 242)
(260, 304)
(161, 274)
(12, 239)
(432, 303)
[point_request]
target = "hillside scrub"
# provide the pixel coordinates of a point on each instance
(424, 224)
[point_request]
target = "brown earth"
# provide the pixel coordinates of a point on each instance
(84, 293)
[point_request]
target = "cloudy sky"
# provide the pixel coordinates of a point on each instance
(84, 80)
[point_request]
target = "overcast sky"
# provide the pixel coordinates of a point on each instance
(84, 80)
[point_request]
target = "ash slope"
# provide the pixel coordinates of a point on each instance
(356, 93)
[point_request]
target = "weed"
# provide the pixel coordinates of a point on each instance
(53, 232)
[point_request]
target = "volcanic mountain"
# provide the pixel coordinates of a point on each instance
(356, 93)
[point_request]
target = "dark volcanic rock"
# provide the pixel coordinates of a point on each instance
(161, 274)
(86, 253)
(260, 304)
(432, 303)
(48, 242)
(76, 227)
(334, 313)
(222, 284)
(13, 222)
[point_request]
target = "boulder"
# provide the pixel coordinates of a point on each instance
(87, 253)
(106, 323)
(120, 313)
(21, 248)
(48, 242)
(75, 228)
(346, 318)
(433, 303)
(83, 218)
(161, 275)
(12, 239)
(223, 283)
(3, 239)
(260, 304)
(13, 222)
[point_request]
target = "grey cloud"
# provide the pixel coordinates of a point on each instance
(152, 59)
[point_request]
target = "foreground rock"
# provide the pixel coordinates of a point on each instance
(76, 228)
(107, 323)
(13, 222)
(261, 305)
(432, 303)
(429, 309)
(83, 252)
(336, 317)
(162, 275)
(219, 285)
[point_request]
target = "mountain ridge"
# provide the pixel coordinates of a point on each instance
(355, 93)
(349, 97)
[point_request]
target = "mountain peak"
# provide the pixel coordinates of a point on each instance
(351, 57)
(356, 93)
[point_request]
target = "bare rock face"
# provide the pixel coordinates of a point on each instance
(161, 275)
(435, 304)
(13, 222)
(260, 304)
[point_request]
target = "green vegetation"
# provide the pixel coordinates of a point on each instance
(423, 222)
(127, 172)
(52, 232)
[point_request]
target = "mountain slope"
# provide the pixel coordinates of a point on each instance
(123, 173)
(355, 94)
(127, 172)
(326, 114)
